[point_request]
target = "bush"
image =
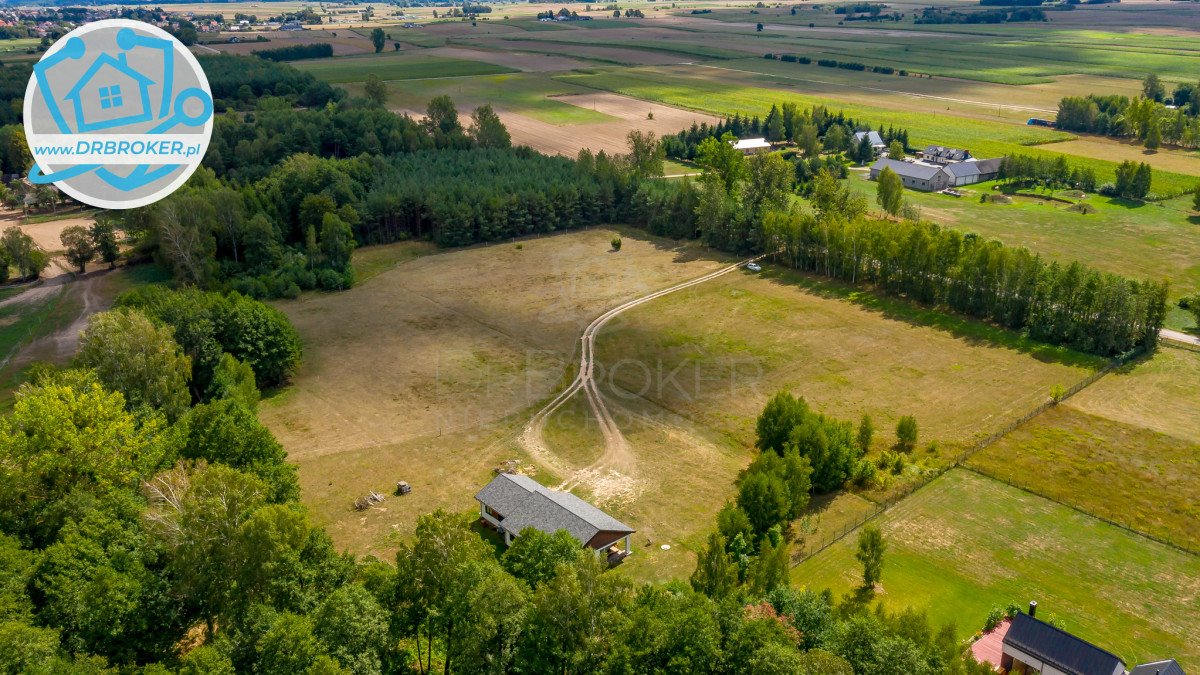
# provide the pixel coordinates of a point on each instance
(616, 243)
(994, 618)
(330, 280)
(906, 432)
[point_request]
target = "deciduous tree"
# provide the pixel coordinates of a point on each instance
(534, 556)
(375, 90)
(104, 238)
(487, 129)
(871, 548)
(79, 246)
(141, 360)
(716, 574)
(889, 191)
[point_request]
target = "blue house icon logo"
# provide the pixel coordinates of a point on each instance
(117, 114)
(112, 94)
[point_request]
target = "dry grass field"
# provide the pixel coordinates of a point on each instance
(420, 372)
(1127, 448)
(428, 370)
(1176, 160)
(716, 353)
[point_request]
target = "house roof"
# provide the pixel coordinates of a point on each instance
(909, 169)
(751, 143)
(1059, 648)
(523, 502)
(872, 136)
(507, 492)
(1165, 667)
(942, 152)
(974, 167)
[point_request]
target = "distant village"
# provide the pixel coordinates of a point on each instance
(52, 23)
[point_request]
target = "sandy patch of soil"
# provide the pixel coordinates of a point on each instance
(607, 136)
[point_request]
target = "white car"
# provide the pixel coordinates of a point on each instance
(753, 267)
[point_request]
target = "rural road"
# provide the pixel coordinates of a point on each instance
(1176, 336)
(616, 455)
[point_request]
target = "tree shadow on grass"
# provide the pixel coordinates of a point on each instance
(857, 600)
(1127, 203)
(685, 250)
(973, 331)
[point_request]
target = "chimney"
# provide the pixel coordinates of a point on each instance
(1033, 608)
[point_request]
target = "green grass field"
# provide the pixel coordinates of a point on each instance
(1127, 448)
(1010, 54)
(965, 544)
(725, 93)
(396, 66)
(1157, 241)
(529, 94)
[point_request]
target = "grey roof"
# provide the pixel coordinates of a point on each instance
(523, 502)
(1165, 667)
(872, 136)
(974, 167)
(942, 152)
(910, 169)
(1059, 648)
(507, 492)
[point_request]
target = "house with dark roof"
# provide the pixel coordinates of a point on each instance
(1034, 646)
(512, 502)
(940, 154)
(1166, 667)
(914, 175)
(973, 171)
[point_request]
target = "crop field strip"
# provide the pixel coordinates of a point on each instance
(401, 67)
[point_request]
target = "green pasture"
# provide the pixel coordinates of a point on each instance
(1158, 240)
(745, 94)
(396, 66)
(1025, 53)
(529, 94)
(683, 48)
(965, 544)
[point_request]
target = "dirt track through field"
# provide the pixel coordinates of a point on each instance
(617, 460)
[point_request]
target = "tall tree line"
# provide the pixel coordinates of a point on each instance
(813, 129)
(1155, 118)
(1072, 304)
